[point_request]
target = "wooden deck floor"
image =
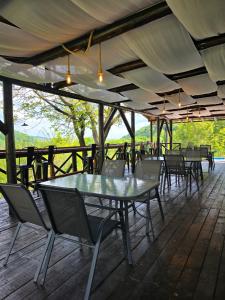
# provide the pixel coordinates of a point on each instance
(187, 261)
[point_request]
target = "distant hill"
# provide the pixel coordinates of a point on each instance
(22, 139)
(143, 132)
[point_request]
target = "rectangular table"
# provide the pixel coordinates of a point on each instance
(122, 189)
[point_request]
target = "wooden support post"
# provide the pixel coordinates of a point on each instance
(74, 161)
(158, 131)
(101, 135)
(133, 142)
(171, 134)
(9, 137)
(151, 133)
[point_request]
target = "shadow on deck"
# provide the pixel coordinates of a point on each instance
(187, 261)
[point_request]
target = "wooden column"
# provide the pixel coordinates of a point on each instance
(171, 134)
(101, 134)
(158, 131)
(9, 137)
(133, 141)
(151, 133)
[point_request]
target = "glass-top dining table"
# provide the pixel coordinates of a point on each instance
(122, 189)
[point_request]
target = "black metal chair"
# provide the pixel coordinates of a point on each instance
(88, 163)
(25, 209)
(23, 169)
(149, 170)
(68, 215)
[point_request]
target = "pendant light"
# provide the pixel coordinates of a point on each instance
(100, 71)
(199, 113)
(164, 105)
(179, 103)
(68, 74)
(187, 117)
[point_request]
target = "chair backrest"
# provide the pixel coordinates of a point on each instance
(148, 169)
(22, 203)
(206, 146)
(193, 153)
(174, 163)
(173, 152)
(66, 211)
(113, 168)
(204, 151)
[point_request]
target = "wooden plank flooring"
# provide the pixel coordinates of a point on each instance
(186, 261)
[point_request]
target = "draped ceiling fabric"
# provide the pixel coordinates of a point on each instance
(201, 18)
(154, 44)
(167, 45)
(198, 85)
(150, 80)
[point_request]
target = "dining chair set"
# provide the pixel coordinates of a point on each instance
(66, 213)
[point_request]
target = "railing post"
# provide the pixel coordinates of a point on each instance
(101, 135)
(74, 161)
(9, 137)
(158, 137)
(171, 134)
(133, 141)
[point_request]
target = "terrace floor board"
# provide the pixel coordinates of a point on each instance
(186, 261)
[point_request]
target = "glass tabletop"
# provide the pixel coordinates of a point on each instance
(124, 188)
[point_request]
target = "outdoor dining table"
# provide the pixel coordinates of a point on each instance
(122, 189)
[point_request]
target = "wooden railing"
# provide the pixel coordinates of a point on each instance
(67, 160)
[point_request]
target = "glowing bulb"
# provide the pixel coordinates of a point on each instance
(68, 78)
(187, 118)
(100, 76)
(179, 104)
(199, 114)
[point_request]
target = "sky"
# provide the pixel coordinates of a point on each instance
(42, 127)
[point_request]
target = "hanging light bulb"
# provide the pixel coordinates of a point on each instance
(187, 117)
(199, 113)
(179, 103)
(164, 105)
(100, 71)
(68, 74)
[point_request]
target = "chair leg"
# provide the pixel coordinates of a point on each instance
(47, 258)
(159, 202)
(149, 220)
(43, 257)
(100, 201)
(92, 270)
(124, 235)
(12, 243)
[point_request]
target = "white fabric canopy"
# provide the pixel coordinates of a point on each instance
(151, 80)
(201, 18)
(216, 107)
(214, 59)
(54, 21)
(15, 42)
(198, 85)
(27, 72)
(108, 11)
(140, 95)
(203, 113)
(221, 91)
(164, 45)
(97, 93)
(209, 100)
(135, 105)
(167, 106)
(184, 99)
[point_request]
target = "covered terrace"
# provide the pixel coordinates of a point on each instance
(162, 59)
